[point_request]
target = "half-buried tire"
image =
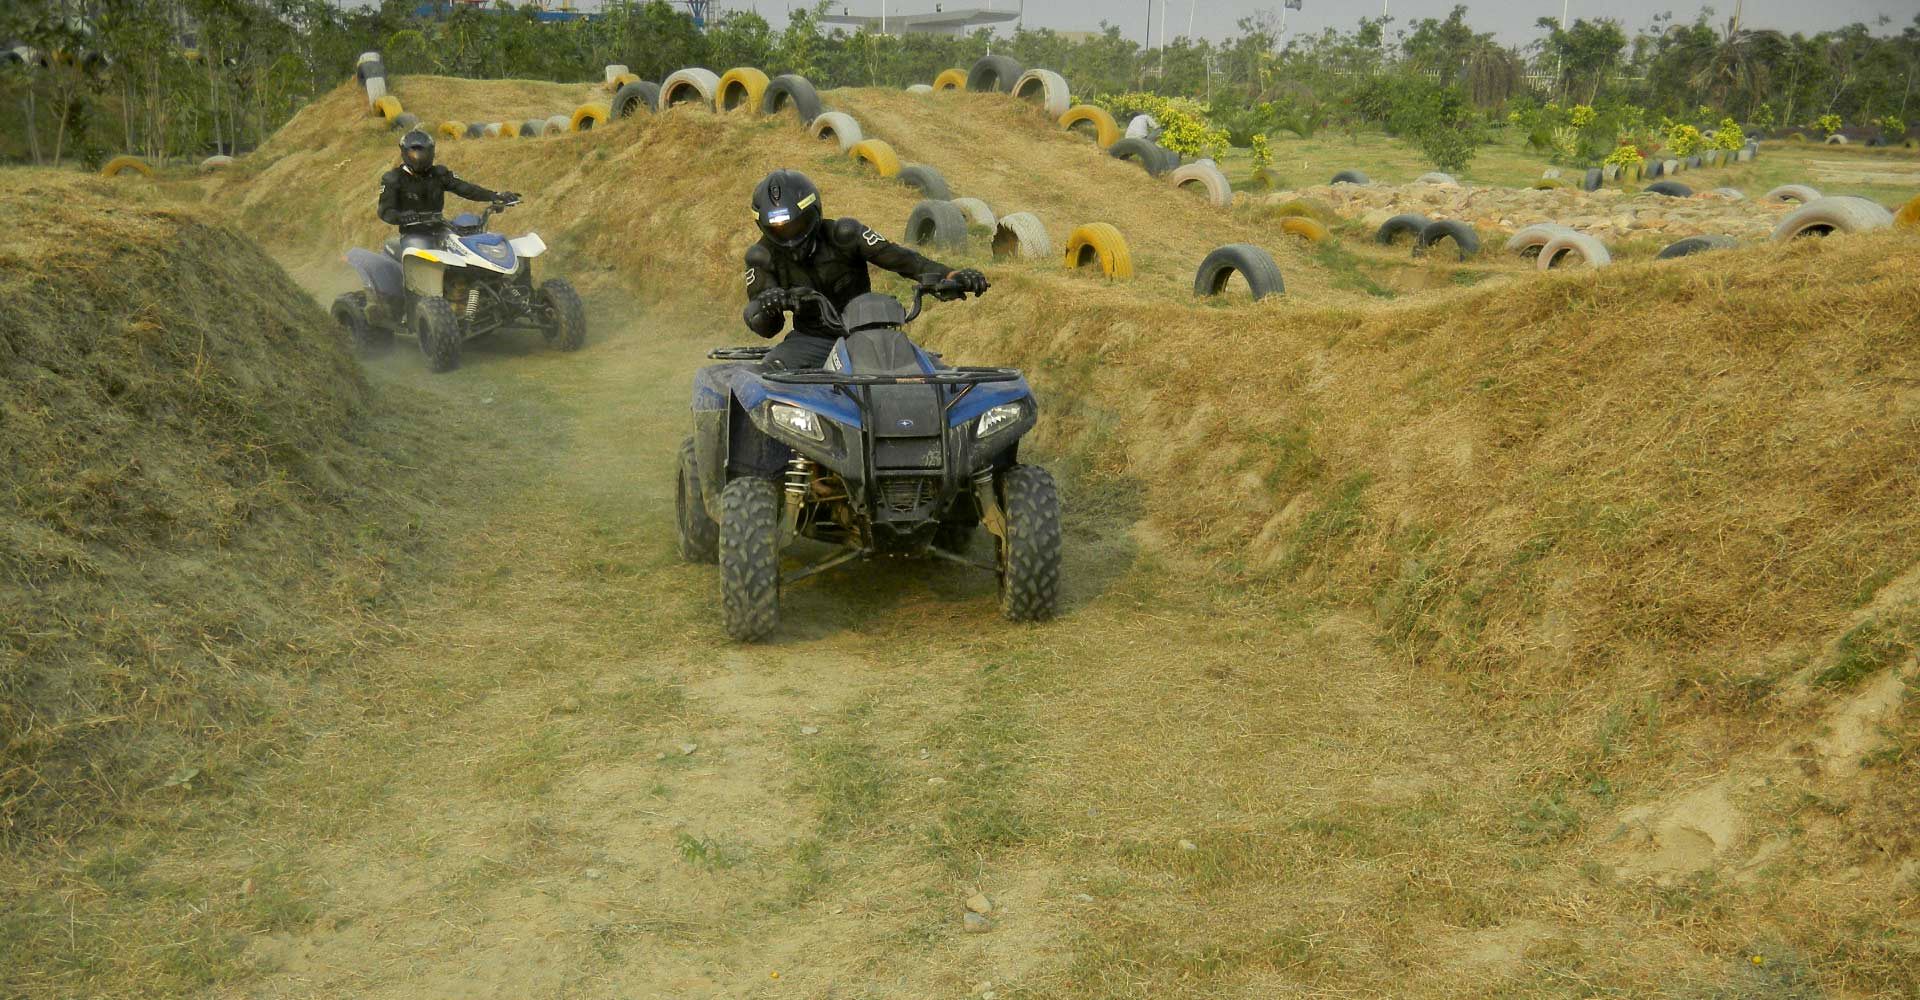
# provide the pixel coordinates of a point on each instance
(634, 98)
(1832, 214)
(478, 130)
(1789, 193)
(1100, 243)
(742, 87)
(976, 211)
(993, 74)
(532, 129)
(556, 125)
(1528, 240)
(1030, 554)
(452, 130)
(1909, 213)
(750, 558)
(920, 89)
(950, 79)
(1306, 228)
(1465, 240)
(927, 180)
(692, 85)
(1410, 225)
(1023, 235)
(1572, 246)
(121, 164)
(1204, 179)
(1696, 244)
(1093, 122)
(878, 154)
(1592, 180)
(838, 127)
(587, 117)
(1147, 153)
(791, 91)
(1045, 88)
(404, 121)
(1672, 189)
(1252, 263)
(1350, 177)
(937, 223)
(1437, 178)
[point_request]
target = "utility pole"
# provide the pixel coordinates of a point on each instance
(1163, 41)
(1560, 68)
(1190, 5)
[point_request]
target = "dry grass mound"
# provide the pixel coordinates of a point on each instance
(178, 464)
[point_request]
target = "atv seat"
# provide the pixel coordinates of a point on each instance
(396, 244)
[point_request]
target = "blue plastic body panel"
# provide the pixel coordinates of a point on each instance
(378, 272)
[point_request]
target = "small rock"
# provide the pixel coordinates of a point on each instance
(979, 903)
(568, 705)
(1188, 845)
(1081, 897)
(936, 781)
(687, 749)
(975, 923)
(981, 989)
(809, 730)
(593, 874)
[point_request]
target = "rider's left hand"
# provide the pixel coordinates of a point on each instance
(969, 280)
(506, 197)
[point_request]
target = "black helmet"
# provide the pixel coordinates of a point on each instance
(787, 207)
(416, 150)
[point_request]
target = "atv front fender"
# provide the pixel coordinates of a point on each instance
(377, 272)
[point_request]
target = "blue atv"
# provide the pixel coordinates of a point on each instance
(884, 452)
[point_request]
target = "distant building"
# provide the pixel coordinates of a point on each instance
(940, 22)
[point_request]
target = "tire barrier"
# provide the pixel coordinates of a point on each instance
(919, 89)
(878, 154)
(1571, 244)
(1672, 189)
(387, 107)
(996, 74)
(976, 211)
(476, 130)
(1592, 180)
(1207, 179)
(1548, 184)
(1142, 127)
(1308, 229)
(838, 127)
(1909, 213)
(1307, 208)
(376, 92)
(533, 129)
(633, 98)
(1252, 263)
(1832, 214)
(1668, 168)
(937, 223)
(790, 90)
(369, 68)
(1153, 159)
(1046, 88)
(1409, 224)
(1787, 194)
(556, 125)
(689, 85)
(213, 163)
(587, 117)
(1100, 243)
(1530, 240)
(404, 121)
(927, 180)
(1092, 122)
(1021, 235)
(1836, 139)
(614, 85)
(509, 130)
(1696, 244)
(1350, 177)
(490, 130)
(1731, 194)
(121, 164)
(1437, 177)
(951, 79)
(1465, 240)
(613, 72)
(742, 87)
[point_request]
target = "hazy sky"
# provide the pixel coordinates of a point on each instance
(1512, 20)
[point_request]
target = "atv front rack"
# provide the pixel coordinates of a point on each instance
(738, 353)
(954, 376)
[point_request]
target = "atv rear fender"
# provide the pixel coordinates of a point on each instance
(377, 271)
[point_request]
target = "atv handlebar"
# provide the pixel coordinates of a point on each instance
(952, 376)
(945, 289)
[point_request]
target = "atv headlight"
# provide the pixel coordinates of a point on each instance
(796, 421)
(998, 419)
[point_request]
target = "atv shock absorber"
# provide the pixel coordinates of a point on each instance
(989, 502)
(473, 304)
(799, 484)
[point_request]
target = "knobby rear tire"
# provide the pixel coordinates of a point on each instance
(567, 329)
(699, 535)
(439, 334)
(1030, 554)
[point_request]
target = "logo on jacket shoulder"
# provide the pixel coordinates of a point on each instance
(873, 239)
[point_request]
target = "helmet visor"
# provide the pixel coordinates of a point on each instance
(419, 157)
(785, 223)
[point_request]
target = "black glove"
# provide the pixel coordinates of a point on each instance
(776, 300)
(970, 280)
(506, 198)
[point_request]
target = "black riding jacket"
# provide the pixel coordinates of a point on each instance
(833, 262)
(402, 190)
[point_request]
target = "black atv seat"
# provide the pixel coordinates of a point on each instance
(881, 352)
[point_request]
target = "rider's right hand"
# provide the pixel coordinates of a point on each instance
(777, 300)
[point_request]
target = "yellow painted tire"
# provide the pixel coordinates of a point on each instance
(1909, 213)
(877, 152)
(1307, 229)
(1307, 208)
(1098, 241)
(740, 87)
(509, 130)
(953, 79)
(387, 107)
(1548, 184)
(1106, 130)
(120, 164)
(451, 130)
(621, 80)
(587, 117)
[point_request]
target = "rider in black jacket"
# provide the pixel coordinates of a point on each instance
(413, 193)
(800, 250)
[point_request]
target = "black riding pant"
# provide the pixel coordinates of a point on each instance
(800, 351)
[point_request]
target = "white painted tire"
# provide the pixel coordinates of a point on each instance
(1437, 177)
(1834, 214)
(1212, 182)
(614, 72)
(557, 125)
(838, 125)
(365, 58)
(491, 130)
(1529, 239)
(212, 163)
(376, 89)
(688, 85)
(1022, 234)
(1790, 193)
(977, 212)
(1141, 127)
(1046, 88)
(920, 88)
(1555, 252)
(1731, 194)
(1836, 139)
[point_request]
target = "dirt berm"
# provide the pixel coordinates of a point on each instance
(185, 480)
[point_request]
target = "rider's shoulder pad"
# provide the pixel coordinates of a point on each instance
(759, 256)
(390, 177)
(849, 232)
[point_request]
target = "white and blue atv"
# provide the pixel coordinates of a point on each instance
(449, 282)
(886, 452)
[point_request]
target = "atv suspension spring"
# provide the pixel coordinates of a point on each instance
(799, 479)
(473, 303)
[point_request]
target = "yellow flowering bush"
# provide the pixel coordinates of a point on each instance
(1581, 115)
(1184, 126)
(1627, 155)
(1683, 139)
(1828, 123)
(1729, 135)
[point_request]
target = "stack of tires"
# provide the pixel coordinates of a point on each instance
(372, 74)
